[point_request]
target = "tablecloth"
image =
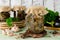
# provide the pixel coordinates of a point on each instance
(5, 37)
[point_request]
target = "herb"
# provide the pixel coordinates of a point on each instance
(51, 23)
(51, 16)
(10, 20)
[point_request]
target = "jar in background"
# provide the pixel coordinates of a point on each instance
(4, 13)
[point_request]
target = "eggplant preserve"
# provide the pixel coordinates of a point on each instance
(19, 12)
(35, 18)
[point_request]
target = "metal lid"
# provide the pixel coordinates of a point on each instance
(15, 8)
(5, 8)
(37, 10)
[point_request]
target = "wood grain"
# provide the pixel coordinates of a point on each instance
(51, 28)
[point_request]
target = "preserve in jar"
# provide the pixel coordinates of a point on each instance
(35, 18)
(4, 13)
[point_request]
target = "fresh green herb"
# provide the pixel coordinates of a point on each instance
(51, 23)
(51, 16)
(10, 20)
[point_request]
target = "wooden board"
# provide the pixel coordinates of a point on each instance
(3, 25)
(51, 28)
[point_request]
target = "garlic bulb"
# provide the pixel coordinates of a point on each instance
(9, 32)
(4, 32)
(15, 28)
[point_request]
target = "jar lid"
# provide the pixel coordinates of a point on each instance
(37, 10)
(5, 8)
(15, 8)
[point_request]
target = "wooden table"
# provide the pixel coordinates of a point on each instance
(51, 28)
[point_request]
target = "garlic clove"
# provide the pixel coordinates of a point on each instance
(4, 32)
(15, 28)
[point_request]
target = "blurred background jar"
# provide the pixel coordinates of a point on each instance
(4, 13)
(19, 15)
(19, 12)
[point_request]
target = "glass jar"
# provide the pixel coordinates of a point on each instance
(19, 12)
(4, 13)
(35, 19)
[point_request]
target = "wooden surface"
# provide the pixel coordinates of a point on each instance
(3, 25)
(51, 28)
(2, 28)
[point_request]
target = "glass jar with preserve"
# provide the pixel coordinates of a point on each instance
(35, 18)
(19, 13)
(4, 13)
